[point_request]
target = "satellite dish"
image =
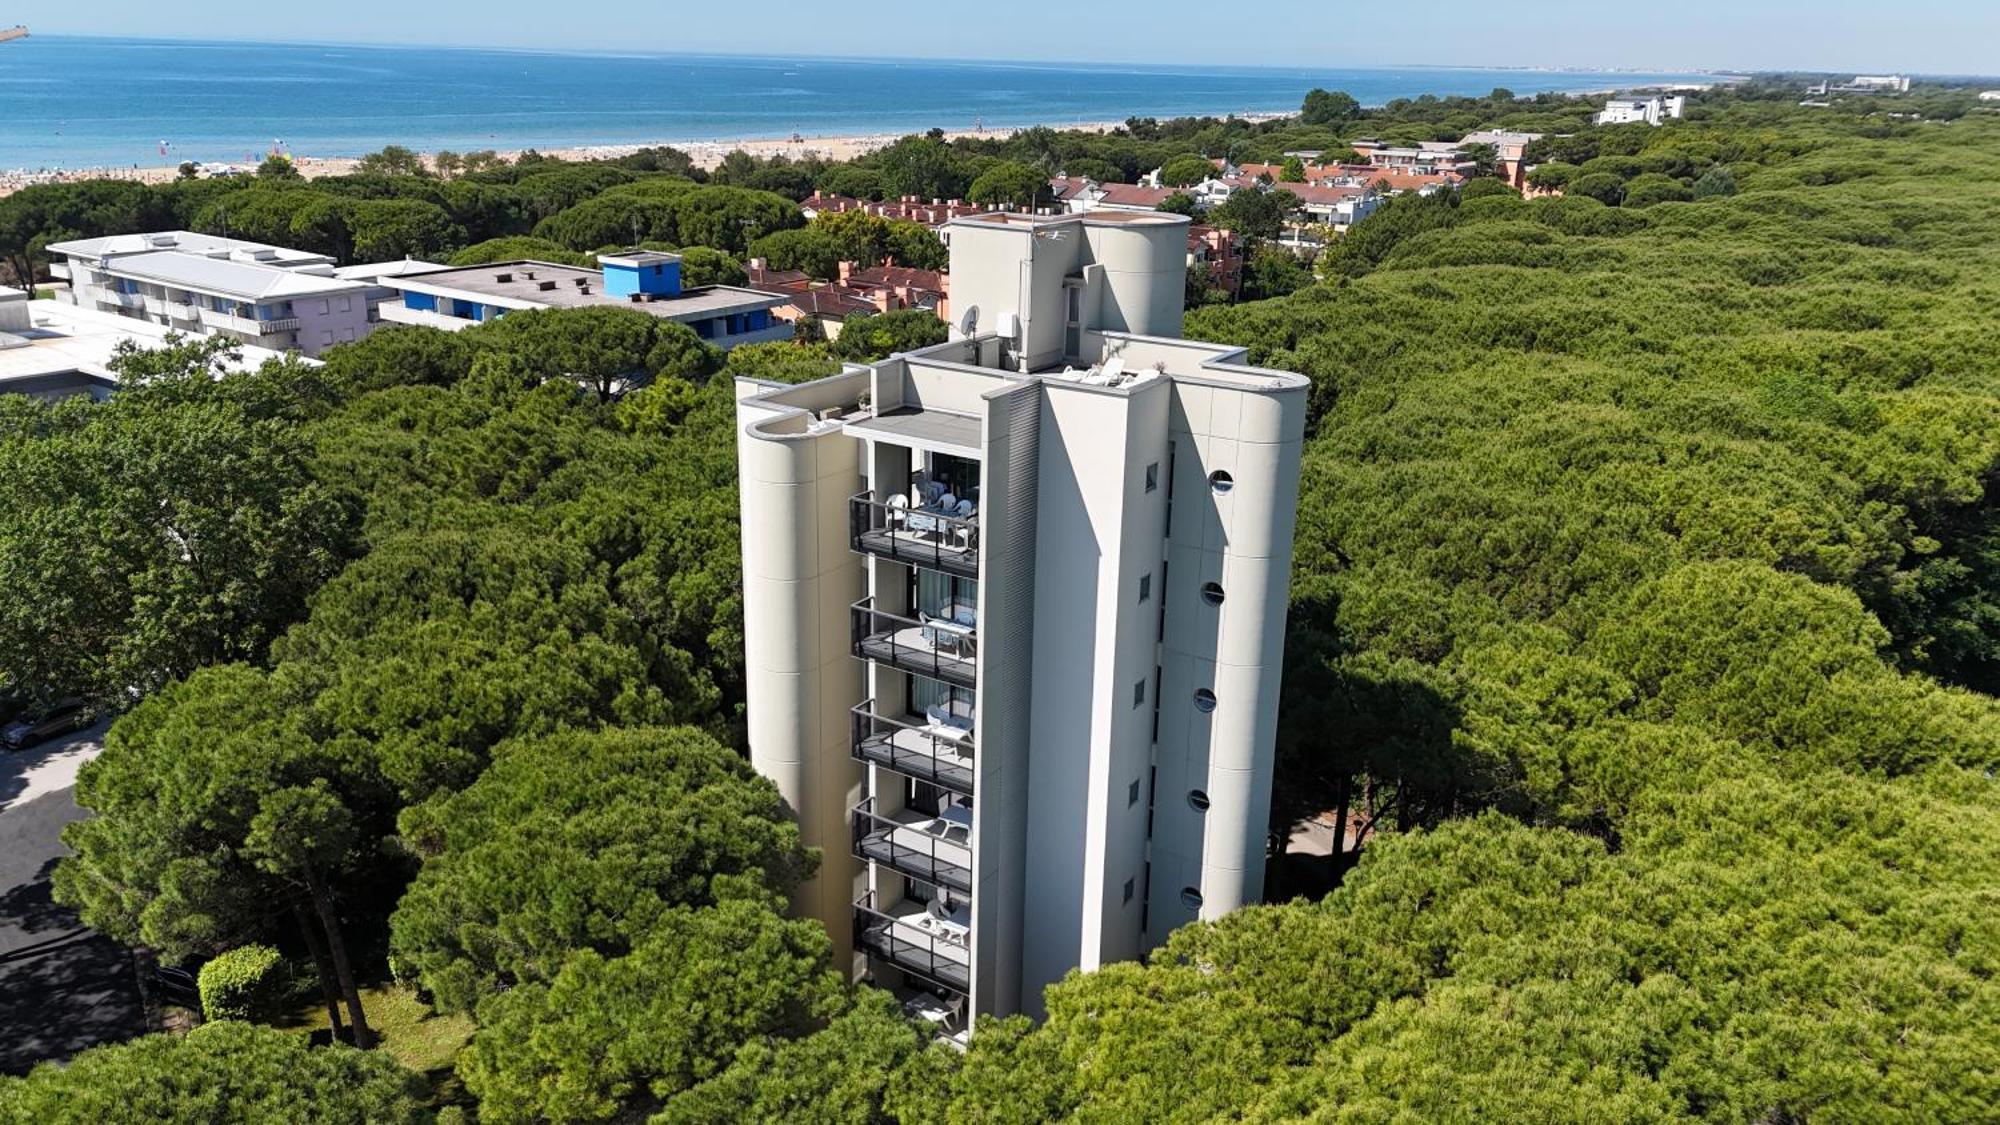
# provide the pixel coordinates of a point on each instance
(969, 323)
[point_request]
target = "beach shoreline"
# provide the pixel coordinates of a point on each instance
(707, 154)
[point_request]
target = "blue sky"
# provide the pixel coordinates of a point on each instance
(1929, 36)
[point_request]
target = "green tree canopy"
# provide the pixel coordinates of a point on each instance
(879, 335)
(1010, 181)
(392, 160)
(1328, 107)
(220, 1074)
(583, 841)
(702, 265)
(514, 248)
(174, 526)
(610, 1033)
(1185, 170)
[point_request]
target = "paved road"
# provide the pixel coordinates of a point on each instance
(62, 987)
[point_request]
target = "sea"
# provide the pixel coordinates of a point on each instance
(71, 102)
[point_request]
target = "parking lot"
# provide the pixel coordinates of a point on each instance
(62, 987)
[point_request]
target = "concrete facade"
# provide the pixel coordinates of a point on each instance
(1031, 732)
(265, 296)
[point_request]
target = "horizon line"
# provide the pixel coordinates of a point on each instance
(618, 52)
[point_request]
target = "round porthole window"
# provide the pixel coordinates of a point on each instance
(1204, 701)
(1198, 800)
(1221, 481)
(1211, 592)
(1191, 898)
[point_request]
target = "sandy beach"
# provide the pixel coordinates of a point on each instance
(706, 154)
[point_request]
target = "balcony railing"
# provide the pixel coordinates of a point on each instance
(943, 650)
(111, 296)
(910, 937)
(937, 752)
(934, 849)
(916, 536)
(249, 326)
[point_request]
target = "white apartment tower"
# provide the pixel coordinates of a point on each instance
(1014, 612)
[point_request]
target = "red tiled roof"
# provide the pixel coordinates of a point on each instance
(899, 277)
(1132, 195)
(761, 278)
(1315, 193)
(829, 300)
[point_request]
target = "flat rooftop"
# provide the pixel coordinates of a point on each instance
(66, 339)
(1115, 218)
(228, 277)
(190, 242)
(370, 271)
(940, 431)
(530, 284)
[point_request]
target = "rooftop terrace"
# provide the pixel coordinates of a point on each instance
(530, 284)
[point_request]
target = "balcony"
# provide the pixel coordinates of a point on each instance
(916, 536)
(249, 326)
(931, 849)
(944, 650)
(107, 296)
(926, 941)
(938, 751)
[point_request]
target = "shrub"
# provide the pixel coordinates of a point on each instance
(245, 983)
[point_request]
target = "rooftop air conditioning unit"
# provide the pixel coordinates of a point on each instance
(544, 286)
(503, 278)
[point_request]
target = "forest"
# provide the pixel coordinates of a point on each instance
(1643, 626)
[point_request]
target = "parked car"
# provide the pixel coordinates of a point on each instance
(36, 727)
(13, 701)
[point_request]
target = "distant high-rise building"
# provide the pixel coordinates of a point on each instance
(1014, 610)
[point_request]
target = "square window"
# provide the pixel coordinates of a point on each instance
(326, 337)
(1130, 886)
(1145, 587)
(1132, 793)
(1152, 476)
(325, 307)
(1138, 693)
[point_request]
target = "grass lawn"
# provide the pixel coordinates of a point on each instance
(404, 1027)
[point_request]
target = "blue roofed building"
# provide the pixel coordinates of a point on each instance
(646, 280)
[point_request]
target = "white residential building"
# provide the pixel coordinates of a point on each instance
(257, 294)
(1989, 95)
(54, 349)
(1654, 109)
(1014, 614)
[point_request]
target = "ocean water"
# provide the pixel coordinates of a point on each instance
(73, 102)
